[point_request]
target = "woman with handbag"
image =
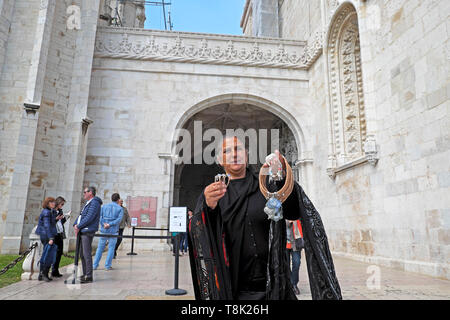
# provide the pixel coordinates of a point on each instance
(47, 230)
(60, 235)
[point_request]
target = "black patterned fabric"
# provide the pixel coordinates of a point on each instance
(210, 265)
(322, 276)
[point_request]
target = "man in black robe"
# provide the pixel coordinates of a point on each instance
(235, 252)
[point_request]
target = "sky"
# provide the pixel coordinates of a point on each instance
(206, 16)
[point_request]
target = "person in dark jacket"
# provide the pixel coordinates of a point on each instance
(60, 235)
(184, 235)
(47, 231)
(87, 224)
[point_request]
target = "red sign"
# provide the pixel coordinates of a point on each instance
(144, 209)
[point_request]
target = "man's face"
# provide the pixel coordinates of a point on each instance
(120, 202)
(233, 157)
(87, 194)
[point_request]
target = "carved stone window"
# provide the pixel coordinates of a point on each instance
(348, 120)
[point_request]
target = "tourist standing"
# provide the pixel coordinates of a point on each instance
(294, 246)
(47, 231)
(60, 235)
(126, 222)
(87, 225)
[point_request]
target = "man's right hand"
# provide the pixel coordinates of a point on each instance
(214, 192)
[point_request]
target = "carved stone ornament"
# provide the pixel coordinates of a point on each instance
(349, 134)
(85, 122)
(31, 108)
(172, 46)
(370, 150)
(345, 87)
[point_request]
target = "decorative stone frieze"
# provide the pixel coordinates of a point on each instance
(208, 49)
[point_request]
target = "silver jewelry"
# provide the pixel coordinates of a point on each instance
(275, 167)
(273, 208)
(225, 178)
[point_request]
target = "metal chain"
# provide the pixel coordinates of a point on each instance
(20, 258)
(68, 256)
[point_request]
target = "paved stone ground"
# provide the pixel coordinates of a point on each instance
(148, 275)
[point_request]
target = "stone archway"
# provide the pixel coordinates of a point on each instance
(190, 179)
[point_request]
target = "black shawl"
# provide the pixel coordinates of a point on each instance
(210, 266)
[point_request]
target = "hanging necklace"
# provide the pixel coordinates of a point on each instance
(273, 207)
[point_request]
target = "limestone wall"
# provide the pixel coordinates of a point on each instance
(45, 76)
(299, 19)
(58, 159)
(136, 104)
(6, 13)
(396, 213)
(45, 179)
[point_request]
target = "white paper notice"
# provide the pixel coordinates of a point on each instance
(177, 219)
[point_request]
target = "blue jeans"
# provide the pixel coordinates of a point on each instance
(183, 242)
(296, 261)
(101, 246)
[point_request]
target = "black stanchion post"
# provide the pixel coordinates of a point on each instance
(176, 291)
(132, 245)
(75, 261)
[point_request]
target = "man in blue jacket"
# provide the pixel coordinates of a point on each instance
(87, 225)
(110, 217)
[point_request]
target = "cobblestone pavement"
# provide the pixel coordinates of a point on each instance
(148, 275)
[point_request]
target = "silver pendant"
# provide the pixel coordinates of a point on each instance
(275, 168)
(274, 209)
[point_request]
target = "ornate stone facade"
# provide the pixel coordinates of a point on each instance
(197, 48)
(361, 86)
(346, 94)
(381, 108)
(207, 49)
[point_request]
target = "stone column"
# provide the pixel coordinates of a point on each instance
(265, 18)
(305, 174)
(13, 226)
(133, 14)
(6, 13)
(76, 133)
